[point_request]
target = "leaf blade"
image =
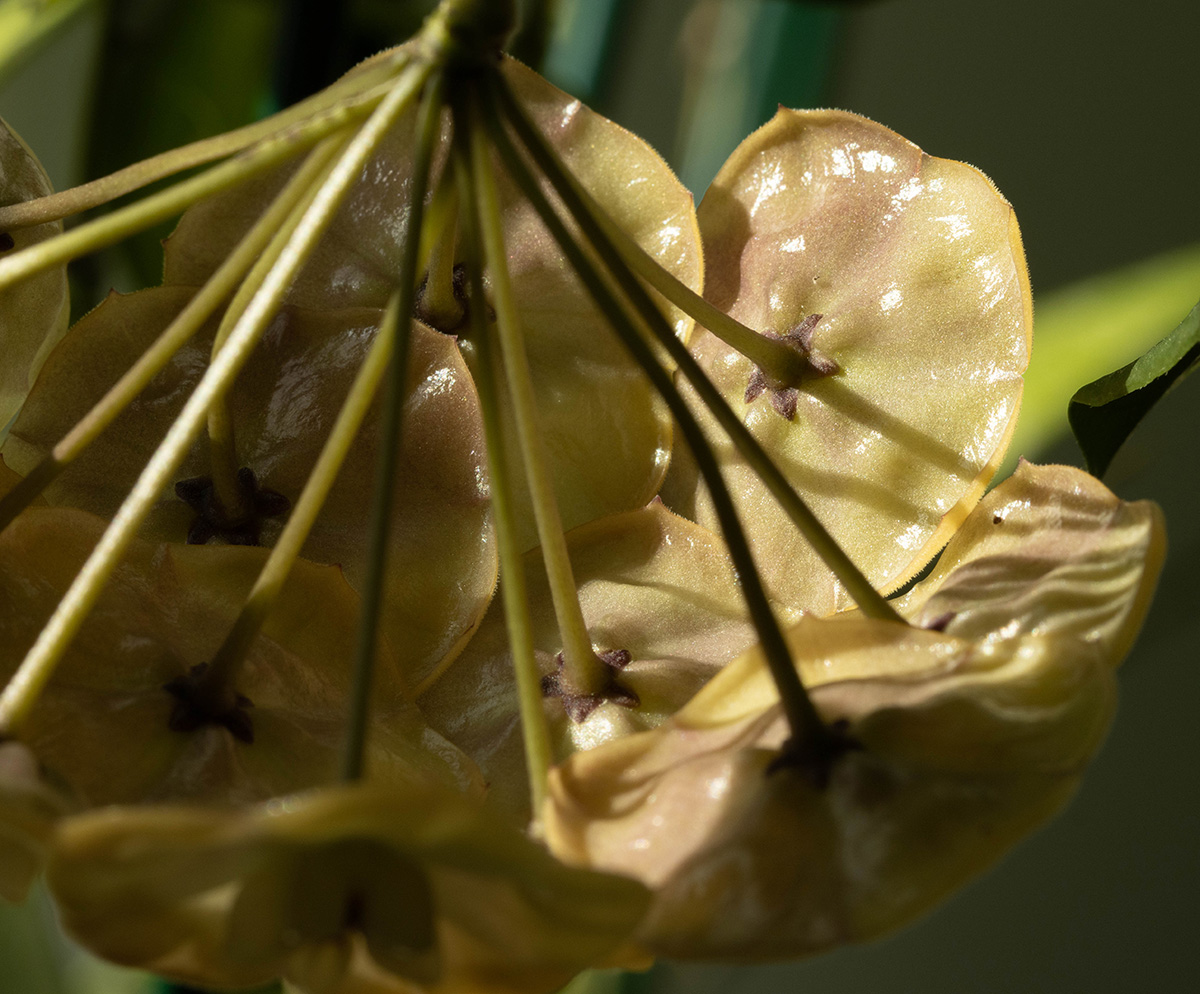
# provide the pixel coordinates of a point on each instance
(1105, 412)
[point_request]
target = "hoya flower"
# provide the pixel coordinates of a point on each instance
(33, 315)
(966, 729)
(349, 889)
(664, 610)
(896, 284)
(443, 557)
(122, 720)
(899, 281)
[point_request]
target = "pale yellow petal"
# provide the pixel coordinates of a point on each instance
(1050, 551)
(915, 267)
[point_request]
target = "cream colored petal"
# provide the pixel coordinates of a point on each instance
(961, 757)
(650, 583)
(1050, 551)
(442, 570)
(102, 721)
(34, 313)
(915, 265)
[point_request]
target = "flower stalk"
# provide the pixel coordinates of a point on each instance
(348, 99)
(583, 670)
(781, 362)
(429, 120)
(489, 382)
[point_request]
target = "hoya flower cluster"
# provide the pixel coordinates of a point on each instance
(466, 568)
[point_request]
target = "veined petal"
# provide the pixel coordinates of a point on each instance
(915, 268)
(1050, 551)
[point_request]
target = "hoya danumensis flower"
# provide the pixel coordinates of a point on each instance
(446, 230)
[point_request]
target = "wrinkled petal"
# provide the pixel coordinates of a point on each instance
(650, 584)
(915, 267)
(967, 743)
(1051, 550)
(607, 436)
(442, 570)
(506, 916)
(103, 720)
(34, 312)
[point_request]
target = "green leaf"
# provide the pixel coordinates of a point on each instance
(1104, 412)
(1088, 329)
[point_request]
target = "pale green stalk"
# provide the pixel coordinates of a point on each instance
(22, 691)
(781, 362)
(534, 732)
(157, 207)
(222, 451)
(583, 671)
(383, 497)
(347, 99)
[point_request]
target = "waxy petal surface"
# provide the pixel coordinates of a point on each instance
(33, 313)
(967, 743)
(102, 722)
(608, 437)
(442, 567)
(651, 584)
(506, 916)
(915, 267)
(1049, 551)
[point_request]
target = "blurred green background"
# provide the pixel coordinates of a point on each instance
(1085, 117)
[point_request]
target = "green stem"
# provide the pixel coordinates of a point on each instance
(355, 96)
(438, 305)
(428, 126)
(859, 588)
(781, 362)
(534, 731)
(38, 665)
(217, 686)
(185, 325)
(583, 670)
(159, 206)
(809, 733)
